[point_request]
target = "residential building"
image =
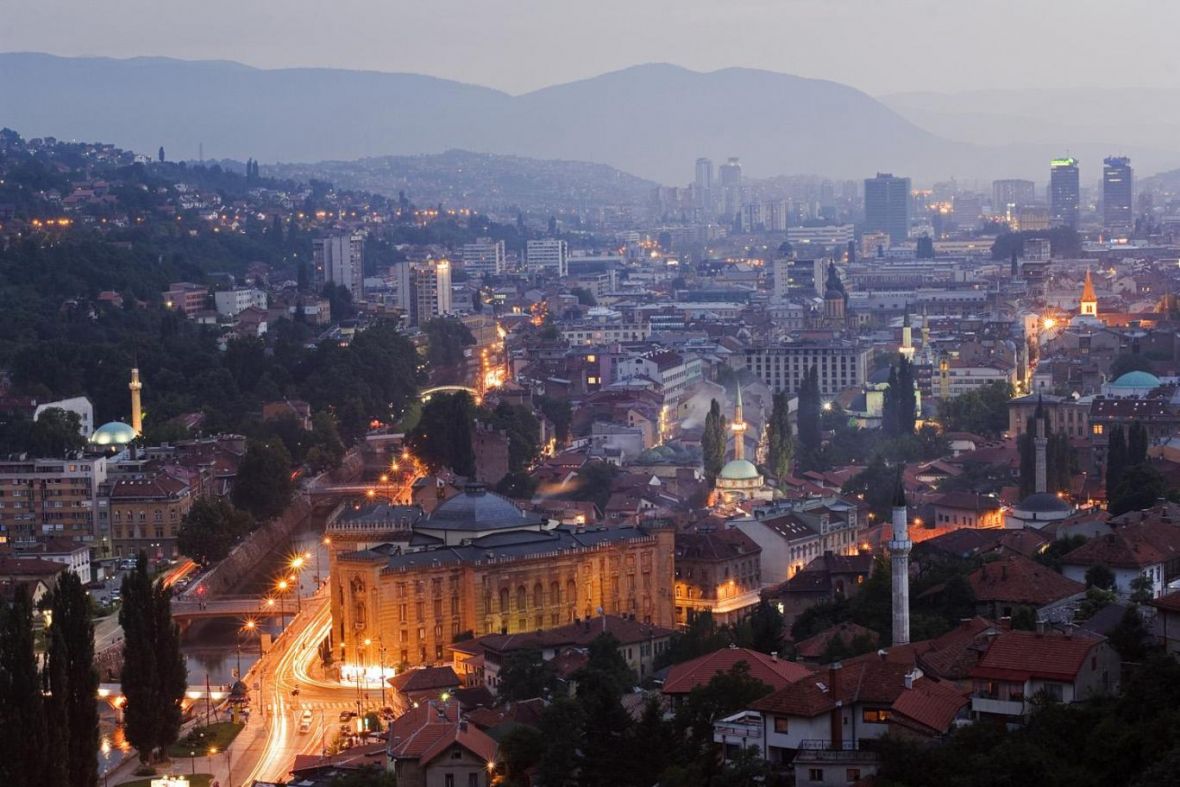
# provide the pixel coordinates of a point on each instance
(186, 297)
(1021, 666)
(484, 257)
(729, 175)
(75, 404)
(639, 645)
(485, 566)
(432, 291)
(1065, 194)
(841, 365)
(1066, 414)
(887, 206)
(719, 572)
(74, 555)
(231, 303)
(769, 668)
(1011, 194)
(1003, 586)
(52, 498)
(966, 509)
(432, 745)
(145, 511)
(1149, 548)
(793, 534)
(703, 188)
(1117, 204)
(340, 259)
(547, 255)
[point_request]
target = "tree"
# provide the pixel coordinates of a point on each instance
(899, 412)
(810, 409)
(1142, 589)
(605, 658)
(1137, 443)
(73, 682)
(339, 299)
(264, 486)
(1099, 576)
(210, 529)
(584, 296)
(521, 748)
(154, 675)
(24, 734)
(1139, 487)
(876, 484)
(442, 437)
(1129, 362)
(160, 154)
(780, 443)
(559, 414)
(524, 434)
(982, 411)
(563, 725)
(1116, 460)
(766, 628)
(725, 693)
(55, 433)
(445, 339)
(713, 442)
(525, 675)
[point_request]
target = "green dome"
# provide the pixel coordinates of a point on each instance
(114, 433)
(1137, 380)
(739, 470)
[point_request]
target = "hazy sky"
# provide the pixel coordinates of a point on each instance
(879, 46)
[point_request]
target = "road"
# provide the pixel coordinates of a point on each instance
(266, 749)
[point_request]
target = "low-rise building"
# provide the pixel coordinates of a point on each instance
(433, 746)
(719, 572)
(145, 511)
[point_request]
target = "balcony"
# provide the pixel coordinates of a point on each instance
(818, 752)
(981, 703)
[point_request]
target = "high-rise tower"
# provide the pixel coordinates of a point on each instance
(899, 552)
(1117, 186)
(1065, 193)
(887, 206)
(136, 408)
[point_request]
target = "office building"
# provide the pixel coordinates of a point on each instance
(887, 206)
(231, 303)
(703, 187)
(547, 256)
(827, 236)
(485, 257)
(1065, 193)
(340, 259)
(730, 175)
(1010, 194)
(1116, 193)
(840, 364)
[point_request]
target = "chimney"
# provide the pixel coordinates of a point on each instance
(1041, 625)
(774, 655)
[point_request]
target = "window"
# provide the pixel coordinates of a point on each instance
(782, 724)
(473, 780)
(815, 774)
(875, 715)
(852, 775)
(449, 780)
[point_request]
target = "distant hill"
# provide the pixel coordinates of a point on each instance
(650, 120)
(480, 180)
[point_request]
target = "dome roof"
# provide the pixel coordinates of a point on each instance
(113, 433)
(1137, 380)
(1042, 503)
(478, 509)
(739, 470)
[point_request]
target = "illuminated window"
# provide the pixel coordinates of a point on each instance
(1097, 428)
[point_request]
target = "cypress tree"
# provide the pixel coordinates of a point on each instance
(154, 676)
(809, 411)
(1136, 444)
(73, 681)
(907, 400)
(780, 445)
(24, 735)
(713, 442)
(891, 407)
(1116, 459)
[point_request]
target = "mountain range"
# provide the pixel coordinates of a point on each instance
(650, 120)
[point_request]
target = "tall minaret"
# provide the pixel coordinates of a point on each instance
(899, 551)
(739, 428)
(907, 336)
(1040, 442)
(136, 409)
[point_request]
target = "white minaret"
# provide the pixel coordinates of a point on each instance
(907, 336)
(739, 428)
(899, 551)
(1040, 443)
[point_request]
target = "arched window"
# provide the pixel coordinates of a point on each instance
(521, 598)
(555, 593)
(538, 595)
(504, 600)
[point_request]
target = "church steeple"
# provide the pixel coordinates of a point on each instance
(1088, 306)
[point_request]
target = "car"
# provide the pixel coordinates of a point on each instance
(347, 715)
(305, 721)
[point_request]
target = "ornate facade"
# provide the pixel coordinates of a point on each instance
(478, 564)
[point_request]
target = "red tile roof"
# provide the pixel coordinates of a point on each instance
(774, 672)
(1130, 546)
(625, 630)
(814, 647)
(426, 731)
(425, 679)
(1020, 655)
(1016, 579)
(870, 679)
(929, 707)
